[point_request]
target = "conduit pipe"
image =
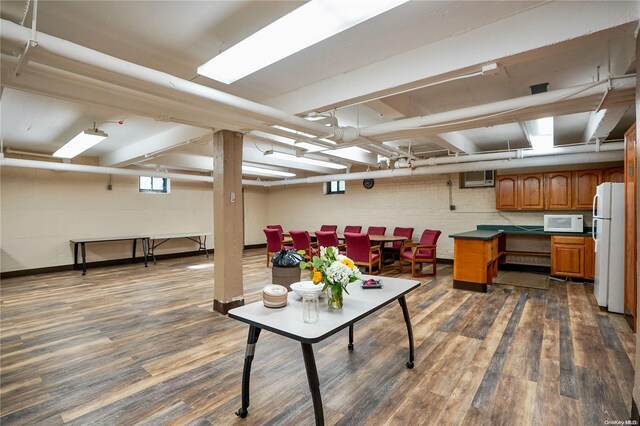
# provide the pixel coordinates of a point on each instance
(164, 84)
(526, 153)
(500, 107)
(81, 168)
(556, 160)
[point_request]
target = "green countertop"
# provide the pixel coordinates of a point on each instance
(477, 235)
(530, 230)
(488, 232)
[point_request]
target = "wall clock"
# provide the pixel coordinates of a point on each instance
(368, 183)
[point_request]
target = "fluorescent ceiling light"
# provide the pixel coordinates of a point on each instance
(80, 143)
(276, 138)
(309, 24)
(305, 160)
(259, 171)
(541, 134)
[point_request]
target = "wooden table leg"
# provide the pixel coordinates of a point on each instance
(350, 347)
(314, 383)
(407, 320)
(252, 339)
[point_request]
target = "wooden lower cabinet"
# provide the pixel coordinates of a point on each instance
(572, 257)
(475, 262)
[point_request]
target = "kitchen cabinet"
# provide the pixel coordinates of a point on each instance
(584, 188)
(615, 174)
(531, 191)
(507, 192)
(630, 225)
(558, 193)
(567, 256)
(589, 258)
(476, 255)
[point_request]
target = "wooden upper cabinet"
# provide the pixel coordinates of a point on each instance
(584, 188)
(507, 192)
(558, 193)
(531, 191)
(615, 174)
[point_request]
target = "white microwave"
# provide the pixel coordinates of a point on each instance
(563, 223)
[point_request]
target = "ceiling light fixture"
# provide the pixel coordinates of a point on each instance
(305, 160)
(307, 25)
(81, 142)
(259, 171)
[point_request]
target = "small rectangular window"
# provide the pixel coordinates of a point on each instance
(335, 187)
(156, 185)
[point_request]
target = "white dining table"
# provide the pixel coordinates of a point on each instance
(287, 322)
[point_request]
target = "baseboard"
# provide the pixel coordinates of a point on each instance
(255, 246)
(542, 269)
(101, 263)
(224, 307)
(635, 416)
(444, 261)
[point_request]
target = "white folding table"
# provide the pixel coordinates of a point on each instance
(287, 322)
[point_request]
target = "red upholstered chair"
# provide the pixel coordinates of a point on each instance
(274, 243)
(281, 231)
(394, 250)
(353, 229)
(360, 251)
(333, 228)
(376, 230)
(423, 252)
(329, 239)
(302, 241)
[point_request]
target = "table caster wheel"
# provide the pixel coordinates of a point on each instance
(350, 346)
(409, 364)
(242, 413)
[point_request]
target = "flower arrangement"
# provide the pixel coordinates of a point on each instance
(335, 271)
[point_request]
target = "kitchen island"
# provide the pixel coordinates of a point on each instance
(476, 255)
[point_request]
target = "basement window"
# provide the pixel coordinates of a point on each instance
(155, 185)
(335, 187)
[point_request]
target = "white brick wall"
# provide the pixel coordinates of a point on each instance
(420, 202)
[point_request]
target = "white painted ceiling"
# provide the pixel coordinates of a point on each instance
(352, 75)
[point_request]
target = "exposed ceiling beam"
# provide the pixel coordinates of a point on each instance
(455, 141)
(601, 123)
(587, 97)
(154, 145)
(563, 22)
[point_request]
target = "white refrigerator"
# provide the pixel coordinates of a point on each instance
(608, 234)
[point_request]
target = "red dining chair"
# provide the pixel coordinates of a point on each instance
(333, 228)
(376, 230)
(274, 243)
(360, 251)
(302, 241)
(329, 239)
(423, 252)
(397, 245)
(281, 231)
(353, 229)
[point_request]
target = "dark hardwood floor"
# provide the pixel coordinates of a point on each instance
(135, 345)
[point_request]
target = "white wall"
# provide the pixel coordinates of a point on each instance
(42, 210)
(419, 202)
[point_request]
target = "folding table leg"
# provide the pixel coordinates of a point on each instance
(75, 256)
(145, 250)
(407, 320)
(350, 346)
(314, 383)
(252, 339)
(133, 256)
(84, 259)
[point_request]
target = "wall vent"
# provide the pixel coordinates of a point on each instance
(477, 179)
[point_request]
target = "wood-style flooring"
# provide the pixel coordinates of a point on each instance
(135, 345)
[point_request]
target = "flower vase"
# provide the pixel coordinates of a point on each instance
(334, 296)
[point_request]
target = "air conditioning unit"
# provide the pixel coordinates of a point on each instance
(477, 179)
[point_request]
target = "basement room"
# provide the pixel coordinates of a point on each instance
(322, 212)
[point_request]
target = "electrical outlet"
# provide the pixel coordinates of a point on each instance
(452, 207)
(109, 187)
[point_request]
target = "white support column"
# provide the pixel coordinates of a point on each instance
(228, 233)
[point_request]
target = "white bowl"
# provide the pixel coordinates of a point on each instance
(307, 287)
